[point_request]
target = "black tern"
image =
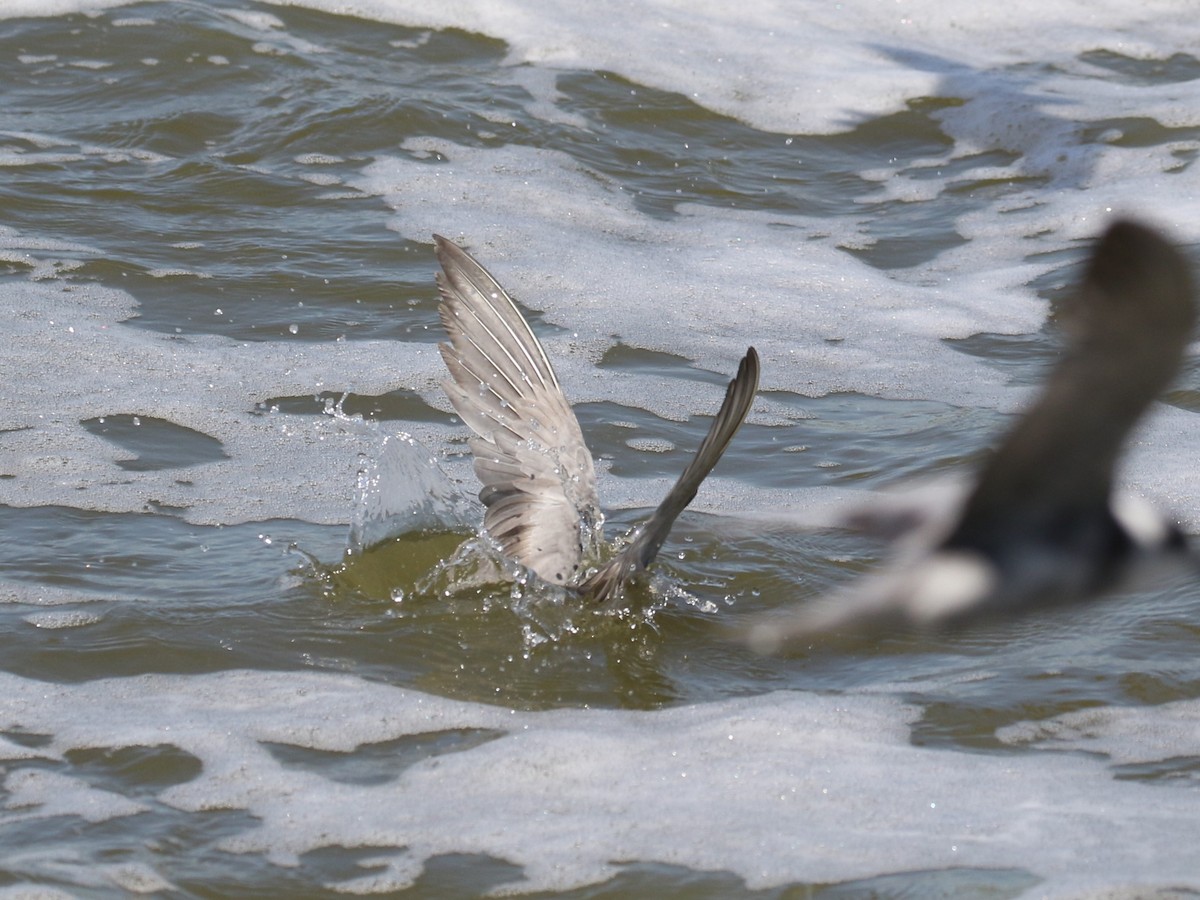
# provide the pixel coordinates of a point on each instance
(1042, 524)
(539, 482)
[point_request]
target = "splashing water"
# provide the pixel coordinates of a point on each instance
(416, 533)
(402, 488)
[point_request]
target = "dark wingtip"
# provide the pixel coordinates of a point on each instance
(607, 584)
(450, 253)
(1127, 250)
(749, 367)
(1135, 272)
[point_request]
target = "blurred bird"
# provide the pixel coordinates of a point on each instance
(1042, 524)
(539, 482)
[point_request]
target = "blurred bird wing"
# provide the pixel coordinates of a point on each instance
(539, 482)
(933, 589)
(1128, 327)
(1042, 524)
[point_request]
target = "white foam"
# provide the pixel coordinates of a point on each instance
(704, 284)
(61, 618)
(797, 787)
(45, 595)
(745, 280)
(259, 21)
(16, 9)
(41, 143)
(209, 384)
(53, 794)
(27, 892)
(804, 68)
(1124, 734)
(800, 68)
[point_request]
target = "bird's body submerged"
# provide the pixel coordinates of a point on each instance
(1042, 524)
(539, 481)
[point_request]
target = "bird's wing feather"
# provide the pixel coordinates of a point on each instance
(607, 582)
(539, 482)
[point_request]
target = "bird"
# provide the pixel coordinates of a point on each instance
(537, 475)
(1042, 524)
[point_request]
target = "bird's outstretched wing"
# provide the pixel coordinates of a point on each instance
(1051, 479)
(539, 482)
(1042, 524)
(607, 582)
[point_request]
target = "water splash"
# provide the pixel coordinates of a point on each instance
(402, 489)
(416, 542)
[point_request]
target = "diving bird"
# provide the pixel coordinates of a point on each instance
(539, 482)
(1042, 524)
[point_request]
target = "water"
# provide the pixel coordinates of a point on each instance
(216, 283)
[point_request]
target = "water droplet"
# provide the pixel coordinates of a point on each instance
(294, 328)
